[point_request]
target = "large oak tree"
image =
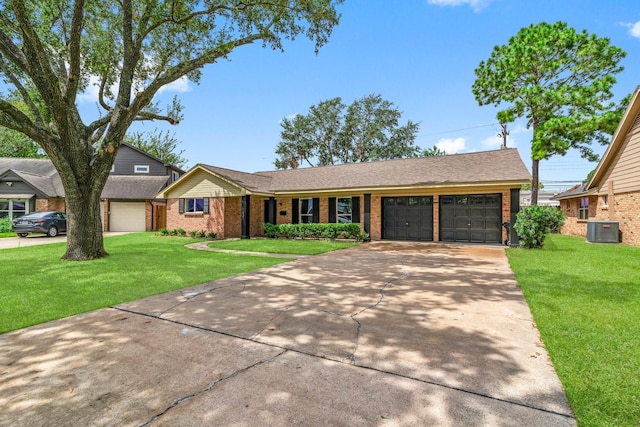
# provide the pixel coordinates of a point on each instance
(50, 51)
(334, 133)
(560, 80)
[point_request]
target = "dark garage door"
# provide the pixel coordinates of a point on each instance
(407, 218)
(473, 218)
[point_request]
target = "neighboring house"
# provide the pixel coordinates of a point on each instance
(613, 193)
(454, 198)
(129, 196)
(545, 198)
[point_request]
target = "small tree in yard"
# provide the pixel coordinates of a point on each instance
(533, 223)
(560, 80)
(52, 50)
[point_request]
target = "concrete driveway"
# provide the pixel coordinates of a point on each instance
(385, 334)
(40, 239)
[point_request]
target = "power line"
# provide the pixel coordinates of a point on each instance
(459, 130)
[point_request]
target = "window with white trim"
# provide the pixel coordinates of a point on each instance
(605, 200)
(141, 168)
(306, 211)
(583, 208)
(195, 205)
(13, 208)
(344, 209)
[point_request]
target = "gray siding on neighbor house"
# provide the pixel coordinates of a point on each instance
(19, 187)
(127, 158)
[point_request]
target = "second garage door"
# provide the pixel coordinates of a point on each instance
(407, 218)
(127, 216)
(475, 218)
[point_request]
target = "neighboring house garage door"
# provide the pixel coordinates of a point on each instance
(407, 218)
(126, 216)
(475, 218)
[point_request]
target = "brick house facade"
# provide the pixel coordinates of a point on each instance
(235, 204)
(613, 193)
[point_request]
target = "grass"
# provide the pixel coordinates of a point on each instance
(585, 299)
(7, 234)
(283, 246)
(36, 286)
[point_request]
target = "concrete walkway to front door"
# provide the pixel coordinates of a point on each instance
(384, 334)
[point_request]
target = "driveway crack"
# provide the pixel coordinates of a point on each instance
(209, 387)
(351, 358)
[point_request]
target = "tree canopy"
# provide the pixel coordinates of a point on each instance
(16, 144)
(333, 133)
(431, 152)
(53, 50)
(560, 80)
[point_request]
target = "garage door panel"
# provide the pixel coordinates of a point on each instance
(407, 218)
(471, 218)
(127, 216)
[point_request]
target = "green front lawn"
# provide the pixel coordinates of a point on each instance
(283, 246)
(36, 286)
(7, 234)
(585, 299)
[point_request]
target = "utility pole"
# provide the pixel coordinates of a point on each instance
(503, 135)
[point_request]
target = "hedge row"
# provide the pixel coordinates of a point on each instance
(314, 231)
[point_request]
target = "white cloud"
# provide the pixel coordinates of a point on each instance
(181, 86)
(451, 146)
(635, 29)
(476, 5)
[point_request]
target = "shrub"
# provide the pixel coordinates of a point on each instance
(163, 232)
(535, 222)
(5, 225)
(201, 233)
(193, 233)
(314, 231)
(211, 235)
(180, 232)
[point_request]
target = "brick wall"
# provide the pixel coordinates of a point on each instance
(257, 217)
(376, 217)
(211, 222)
(283, 205)
(627, 213)
(572, 225)
(232, 217)
(52, 204)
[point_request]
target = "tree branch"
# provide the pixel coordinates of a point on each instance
(23, 92)
(73, 79)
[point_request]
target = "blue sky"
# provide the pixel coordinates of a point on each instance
(418, 54)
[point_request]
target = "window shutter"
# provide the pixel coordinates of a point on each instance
(332, 210)
(205, 208)
(295, 211)
(315, 215)
(355, 209)
(180, 205)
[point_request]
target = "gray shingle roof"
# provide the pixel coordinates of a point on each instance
(256, 182)
(133, 187)
(481, 167)
(41, 174)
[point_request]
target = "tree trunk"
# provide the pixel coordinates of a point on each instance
(84, 228)
(534, 182)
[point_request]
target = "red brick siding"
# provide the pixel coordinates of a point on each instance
(257, 217)
(284, 205)
(52, 204)
(232, 217)
(572, 225)
(627, 213)
(211, 222)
